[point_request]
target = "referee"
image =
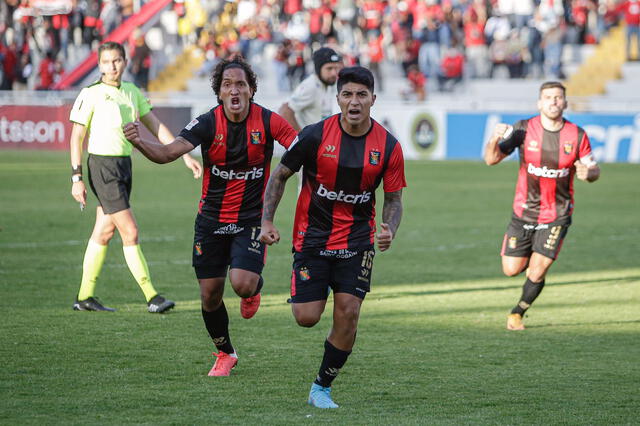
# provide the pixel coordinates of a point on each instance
(100, 110)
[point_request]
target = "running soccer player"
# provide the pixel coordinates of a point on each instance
(552, 151)
(100, 110)
(236, 138)
(344, 159)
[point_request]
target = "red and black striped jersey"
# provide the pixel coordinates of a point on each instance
(544, 192)
(237, 160)
(335, 214)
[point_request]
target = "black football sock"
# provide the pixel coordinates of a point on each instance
(258, 287)
(332, 362)
(530, 292)
(217, 323)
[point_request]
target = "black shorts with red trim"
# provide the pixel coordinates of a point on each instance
(313, 274)
(523, 238)
(218, 246)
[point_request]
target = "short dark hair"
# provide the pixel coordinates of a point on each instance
(111, 45)
(356, 74)
(235, 62)
(552, 85)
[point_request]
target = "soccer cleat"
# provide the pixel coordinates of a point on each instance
(514, 322)
(320, 397)
(90, 304)
(249, 306)
(159, 304)
(223, 365)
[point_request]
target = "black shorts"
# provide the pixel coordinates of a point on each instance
(217, 247)
(523, 238)
(110, 180)
(312, 276)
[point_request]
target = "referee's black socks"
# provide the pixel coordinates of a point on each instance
(332, 362)
(217, 323)
(530, 291)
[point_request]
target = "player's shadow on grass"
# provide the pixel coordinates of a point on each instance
(518, 285)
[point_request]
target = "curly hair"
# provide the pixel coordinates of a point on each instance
(235, 62)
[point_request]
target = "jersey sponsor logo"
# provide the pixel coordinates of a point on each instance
(191, 124)
(255, 173)
(374, 157)
(338, 254)
(568, 148)
(343, 196)
(330, 149)
(229, 229)
(255, 137)
(533, 146)
(547, 172)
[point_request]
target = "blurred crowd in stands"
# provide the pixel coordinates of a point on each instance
(435, 43)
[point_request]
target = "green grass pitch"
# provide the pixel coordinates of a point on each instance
(432, 346)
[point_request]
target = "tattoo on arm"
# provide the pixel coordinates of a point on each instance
(273, 192)
(392, 210)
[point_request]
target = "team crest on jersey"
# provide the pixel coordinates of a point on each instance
(513, 241)
(533, 146)
(374, 157)
(198, 249)
(255, 138)
(304, 274)
(568, 148)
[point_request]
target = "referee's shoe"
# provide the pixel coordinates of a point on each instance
(90, 304)
(159, 304)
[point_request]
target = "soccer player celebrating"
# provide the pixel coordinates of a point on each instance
(552, 151)
(344, 158)
(100, 110)
(236, 138)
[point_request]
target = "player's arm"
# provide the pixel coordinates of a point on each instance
(78, 188)
(272, 195)
(288, 114)
(164, 135)
(391, 217)
(156, 152)
(493, 154)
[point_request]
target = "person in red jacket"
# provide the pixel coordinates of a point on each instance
(631, 11)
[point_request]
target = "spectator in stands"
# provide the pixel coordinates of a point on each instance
(451, 69)
(476, 48)
(140, 59)
(375, 56)
(281, 65)
(23, 72)
(9, 58)
(47, 71)
(631, 11)
(417, 84)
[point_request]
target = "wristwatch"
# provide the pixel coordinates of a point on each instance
(76, 178)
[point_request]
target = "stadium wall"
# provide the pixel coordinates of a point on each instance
(48, 127)
(425, 133)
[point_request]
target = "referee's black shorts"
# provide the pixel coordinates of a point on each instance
(110, 180)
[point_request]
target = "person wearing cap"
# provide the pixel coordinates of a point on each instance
(314, 98)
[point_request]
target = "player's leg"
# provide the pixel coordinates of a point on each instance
(309, 283)
(248, 256)
(351, 278)
(516, 252)
(210, 261)
(546, 242)
(103, 231)
(128, 229)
